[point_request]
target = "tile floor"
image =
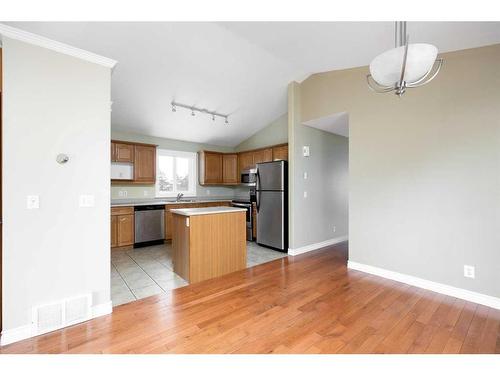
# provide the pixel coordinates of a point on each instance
(143, 272)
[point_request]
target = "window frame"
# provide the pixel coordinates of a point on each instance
(193, 179)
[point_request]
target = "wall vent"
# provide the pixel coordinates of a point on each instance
(56, 315)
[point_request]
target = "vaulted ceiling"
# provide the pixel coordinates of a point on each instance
(240, 69)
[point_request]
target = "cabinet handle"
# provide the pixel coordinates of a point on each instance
(123, 219)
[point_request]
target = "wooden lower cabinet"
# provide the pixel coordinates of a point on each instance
(122, 226)
(168, 214)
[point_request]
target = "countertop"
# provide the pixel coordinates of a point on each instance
(147, 202)
(206, 210)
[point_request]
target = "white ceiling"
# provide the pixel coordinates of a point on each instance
(238, 68)
(337, 123)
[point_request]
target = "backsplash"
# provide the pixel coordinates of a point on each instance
(148, 191)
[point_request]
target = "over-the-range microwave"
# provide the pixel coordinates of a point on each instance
(249, 177)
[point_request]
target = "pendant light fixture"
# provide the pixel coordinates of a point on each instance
(405, 66)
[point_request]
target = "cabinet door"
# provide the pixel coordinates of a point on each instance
(230, 168)
(114, 231)
(262, 156)
(113, 151)
(245, 161)
(124, 152)
(213, 168)
(145, 164)
(125, 227)
(280, 153)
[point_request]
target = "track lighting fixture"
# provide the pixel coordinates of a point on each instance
(201, 110)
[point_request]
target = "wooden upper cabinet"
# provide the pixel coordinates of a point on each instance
(123, 152)
(145, 164)
(280, 152)
(230, 169)
(210, 167)
(245, 161)
(261, 156)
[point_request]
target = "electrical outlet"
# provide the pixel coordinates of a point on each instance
(32, 202)
(334, 229)
(145, 192)
(305, 194)
(122, 193)
(305, 175)
(208, 192)
(86, 200)
(469, 272)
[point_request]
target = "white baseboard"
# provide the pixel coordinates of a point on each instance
(102, 309)
(481, 299)
(316, 246)
(25, 332)
(15, 334)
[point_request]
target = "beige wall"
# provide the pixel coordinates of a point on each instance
(273, 134)
(424, 169)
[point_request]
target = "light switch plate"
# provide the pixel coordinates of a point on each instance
(87, 200)
(305, 194)
(305, 175)
(32, 202)
(305, 151)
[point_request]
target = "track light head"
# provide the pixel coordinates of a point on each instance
(227, 122)
(213, 117)
(192, 112)
(173, 108)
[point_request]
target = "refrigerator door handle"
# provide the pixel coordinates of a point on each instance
(257, 204)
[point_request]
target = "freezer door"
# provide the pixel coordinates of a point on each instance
(270, 219)
(271, 176)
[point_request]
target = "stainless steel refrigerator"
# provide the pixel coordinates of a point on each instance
(272, 205)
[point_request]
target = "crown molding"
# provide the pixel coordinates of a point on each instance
(24, 36)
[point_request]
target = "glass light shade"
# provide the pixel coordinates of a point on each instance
(386, 67)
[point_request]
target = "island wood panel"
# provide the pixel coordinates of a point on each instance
(180, 246)
(217, 244)
(168, 214)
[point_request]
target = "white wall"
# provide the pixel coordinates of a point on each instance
(53, 103)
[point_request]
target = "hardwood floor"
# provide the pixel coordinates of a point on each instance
(305, 304)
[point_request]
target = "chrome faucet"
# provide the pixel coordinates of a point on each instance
(179, 197)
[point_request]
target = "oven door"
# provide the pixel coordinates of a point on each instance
(248, 219)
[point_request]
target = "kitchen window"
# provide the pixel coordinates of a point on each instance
(176, 173)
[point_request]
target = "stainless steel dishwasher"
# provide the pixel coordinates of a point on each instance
(149, 225)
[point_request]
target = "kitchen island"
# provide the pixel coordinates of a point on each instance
(208, 242)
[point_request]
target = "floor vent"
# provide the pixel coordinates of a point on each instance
(50, 317)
